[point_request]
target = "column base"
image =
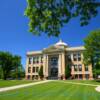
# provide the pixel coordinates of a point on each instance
(64, 77)
(90, 77)
(45, 77)
(26, 77)
(83, 77)
(59, 78)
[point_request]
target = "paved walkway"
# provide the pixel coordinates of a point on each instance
(23, 85)
(97, 86)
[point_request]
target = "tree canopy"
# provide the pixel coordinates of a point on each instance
(10, 65)
(6, 63)
(92, 53)
(49, 16)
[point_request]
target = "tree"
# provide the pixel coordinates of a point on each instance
(92, 52)
(10, 66)
(41, 72)
(67, 71)
(1, 76)
(96, 70)
(6, 63)
(19, 73)
(17, 64)
(50, 15)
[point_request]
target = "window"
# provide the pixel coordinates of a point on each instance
(75, 68)
(54, 61)
(69, 57)
(28, 77)
(29, 69)
(37, 59)
(33, 60)
(75, 57)
(33, 69)
(41, 59)
(37, 69)
(36, 76)
(80, 67)
(30, 60)
(79, 56)
(86, 68)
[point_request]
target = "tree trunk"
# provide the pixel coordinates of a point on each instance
(5, 76)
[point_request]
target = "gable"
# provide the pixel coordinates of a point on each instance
(53, 49)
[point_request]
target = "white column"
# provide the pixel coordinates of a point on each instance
(26, 71)
(72, 72)
(63, 63)
(44, 65)
(47, 60)
(59, 66)
(71, 56)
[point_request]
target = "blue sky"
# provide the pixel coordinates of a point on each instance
(15, 38)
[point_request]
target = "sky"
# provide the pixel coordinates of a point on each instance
(15, 38)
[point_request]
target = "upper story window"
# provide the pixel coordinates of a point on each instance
(29, 69)
(75, 57)
(80, 67)
(41, 59)
(69, 57)
(35, 59)
(79, 56)
(54, 61)
(30, 60)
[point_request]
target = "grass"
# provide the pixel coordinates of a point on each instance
(52, 91)
(85, 81)
(7, 83)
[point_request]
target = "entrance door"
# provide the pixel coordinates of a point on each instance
(54, 72)
(53, 65)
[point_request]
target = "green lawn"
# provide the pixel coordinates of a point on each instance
(6, 83)
(85, 81)
(52, 91)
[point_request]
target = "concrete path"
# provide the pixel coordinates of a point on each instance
(22, 86)
(97, 86)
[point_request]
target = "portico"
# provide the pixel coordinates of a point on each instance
(54, 66)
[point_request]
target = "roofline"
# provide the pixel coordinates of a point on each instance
(34, 52)
(75, 48)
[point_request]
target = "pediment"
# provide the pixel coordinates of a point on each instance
(53, 49)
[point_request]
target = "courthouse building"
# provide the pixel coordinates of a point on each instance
(54, 59)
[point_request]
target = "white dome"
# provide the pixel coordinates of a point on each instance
(61, 43)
